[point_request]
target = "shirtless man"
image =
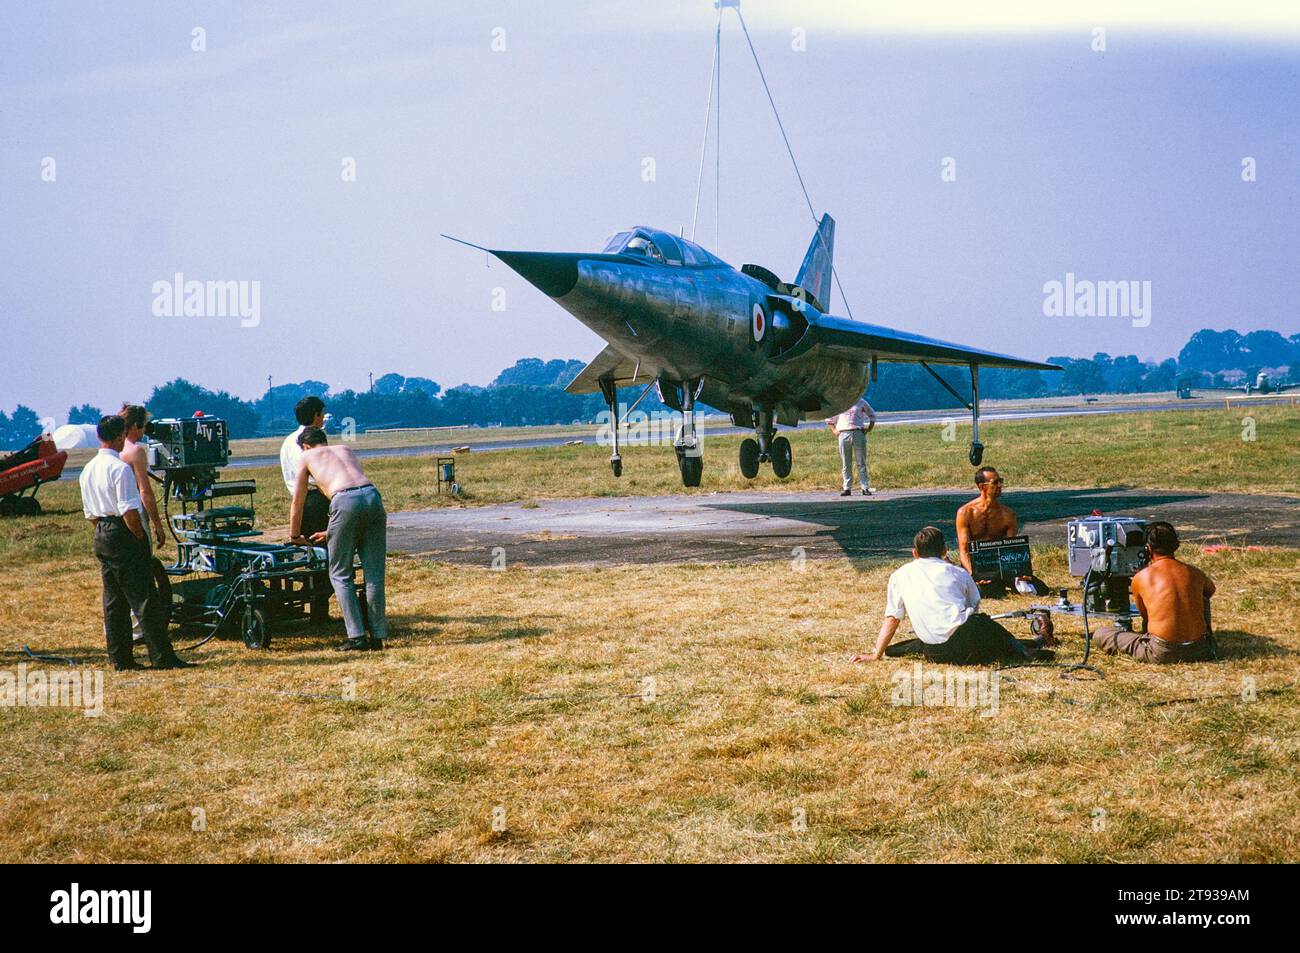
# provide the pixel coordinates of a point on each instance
(135, 455)
(1174, 600)
(987, 518)
(357, 524)
(984, 518)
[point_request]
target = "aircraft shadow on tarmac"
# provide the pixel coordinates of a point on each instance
(864, 529)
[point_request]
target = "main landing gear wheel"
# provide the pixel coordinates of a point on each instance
(782, 457)
(976, 454)
(692, 469)
(616, 465)
(749, 458)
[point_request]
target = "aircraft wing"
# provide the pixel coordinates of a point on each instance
(609, 362)
(863, 342)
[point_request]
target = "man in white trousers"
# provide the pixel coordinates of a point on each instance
(851, 429)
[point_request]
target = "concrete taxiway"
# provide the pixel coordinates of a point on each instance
(747, 527)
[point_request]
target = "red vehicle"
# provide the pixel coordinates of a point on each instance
(26, 469)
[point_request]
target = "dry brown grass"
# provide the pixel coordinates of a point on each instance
(522, 689)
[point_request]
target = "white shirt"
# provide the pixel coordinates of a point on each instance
(936, 594)
(291, 460)
(108, 486)
(856, 417)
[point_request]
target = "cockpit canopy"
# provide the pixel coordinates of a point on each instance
(661, 247)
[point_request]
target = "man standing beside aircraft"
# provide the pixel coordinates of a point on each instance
(851, 429)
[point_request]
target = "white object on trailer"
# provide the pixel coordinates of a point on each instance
(74, 436)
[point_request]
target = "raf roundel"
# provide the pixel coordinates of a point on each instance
(759, 324)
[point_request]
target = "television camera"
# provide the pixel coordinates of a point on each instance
(1107, 552)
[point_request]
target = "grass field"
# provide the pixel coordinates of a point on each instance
(672, 713)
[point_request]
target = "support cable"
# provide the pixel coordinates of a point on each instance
(708, 115)
(788, 148)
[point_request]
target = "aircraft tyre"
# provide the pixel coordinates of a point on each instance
(692, 469)
(749, 458)
(782, 457)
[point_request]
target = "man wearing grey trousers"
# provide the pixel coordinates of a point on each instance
(357, 525)
(851, 429)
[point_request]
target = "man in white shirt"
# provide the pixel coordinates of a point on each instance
(110, 498)
(943, 603)
(851, 429)
(309, 412)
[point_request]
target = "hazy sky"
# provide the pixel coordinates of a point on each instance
(227, 165)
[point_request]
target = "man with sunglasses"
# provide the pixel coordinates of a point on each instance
(987, 518)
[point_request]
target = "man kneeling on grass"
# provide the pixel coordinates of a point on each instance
(1174, 599)
(943, 601)
(357, 524)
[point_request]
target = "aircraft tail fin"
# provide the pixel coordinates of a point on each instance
(815, 272)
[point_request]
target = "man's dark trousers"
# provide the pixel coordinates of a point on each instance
(126, 568)
(315, 512)
(979, 640)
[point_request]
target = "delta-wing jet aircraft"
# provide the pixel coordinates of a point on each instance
(679, 318)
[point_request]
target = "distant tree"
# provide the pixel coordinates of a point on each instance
(180, 398)
(388, 385)
(421, 385)
(85, 414)
(371, 409)
(275, 407)
(1208, 350)
(1162, 377)
(19, 429)
(1083, 377)
(534, 372)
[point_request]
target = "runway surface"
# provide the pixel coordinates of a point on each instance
(756, 527)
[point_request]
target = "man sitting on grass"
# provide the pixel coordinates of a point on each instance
(1174, 599)
(943, 601)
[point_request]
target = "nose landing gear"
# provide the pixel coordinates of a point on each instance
(690, 458)
(609, 390)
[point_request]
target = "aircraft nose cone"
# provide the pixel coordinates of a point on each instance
(555, 273)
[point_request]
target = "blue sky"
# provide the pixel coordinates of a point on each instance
(226, 165)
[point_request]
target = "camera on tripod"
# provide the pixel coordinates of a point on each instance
(1107, 551)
